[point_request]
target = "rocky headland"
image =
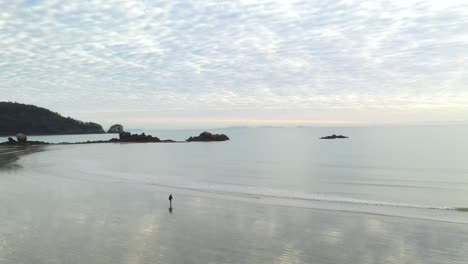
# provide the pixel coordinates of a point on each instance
(33, 120)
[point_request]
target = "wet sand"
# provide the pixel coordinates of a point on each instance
(45, 219)
(10, 154)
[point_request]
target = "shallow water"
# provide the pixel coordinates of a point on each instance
(46, 219)
(270, 195)
(405, 171)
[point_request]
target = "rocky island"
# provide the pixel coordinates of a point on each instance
(207, 136)
(333, 137)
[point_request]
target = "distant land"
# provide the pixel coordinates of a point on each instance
(32, 120)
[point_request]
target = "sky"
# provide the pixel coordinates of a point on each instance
(215, 63)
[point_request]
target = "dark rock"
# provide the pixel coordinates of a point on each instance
(333, 137)
(127, 137)
(207, 136)
(123, 135)
(11, 140)
(117, 128)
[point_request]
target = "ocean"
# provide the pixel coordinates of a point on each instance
(412, 180)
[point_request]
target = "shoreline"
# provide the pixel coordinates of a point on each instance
(455, 213)
(369, 207)
(127, 222)
(118, 214)
(10, 154)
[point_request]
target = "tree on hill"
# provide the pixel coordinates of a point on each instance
(32, 120)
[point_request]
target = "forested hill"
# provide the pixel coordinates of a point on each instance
(32, 120)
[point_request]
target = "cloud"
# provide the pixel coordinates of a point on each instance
(191, 57)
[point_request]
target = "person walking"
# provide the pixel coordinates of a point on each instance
(170, 200)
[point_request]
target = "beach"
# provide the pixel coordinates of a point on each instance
(108, 203)
(90, 222)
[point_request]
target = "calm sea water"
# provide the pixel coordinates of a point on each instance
(406, 171)
(406, 179)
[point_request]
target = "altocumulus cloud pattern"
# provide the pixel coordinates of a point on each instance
(238, 62)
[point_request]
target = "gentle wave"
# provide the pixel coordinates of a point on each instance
(280, 197)
(456, 215)
(259, 193)
(268, 193)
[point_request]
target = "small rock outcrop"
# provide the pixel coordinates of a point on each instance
(333, 137)
(21, 137)
(207, 136)
(117, 128)
(128, 137)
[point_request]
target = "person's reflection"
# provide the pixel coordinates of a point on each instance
(170, 210)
